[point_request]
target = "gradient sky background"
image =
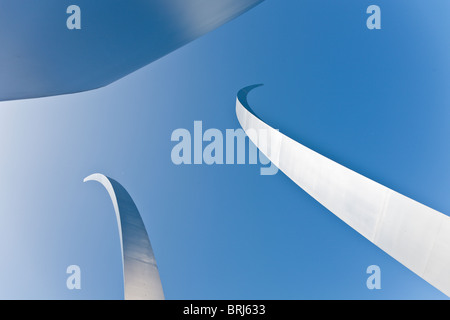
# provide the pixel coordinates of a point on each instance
(374, 101)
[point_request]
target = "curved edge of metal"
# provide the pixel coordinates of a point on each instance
(410, 232)
(140, 272)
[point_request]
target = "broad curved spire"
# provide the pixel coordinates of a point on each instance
(140, 272)
(412, 233)
(41, 57)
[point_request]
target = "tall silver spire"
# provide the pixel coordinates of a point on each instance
(140, 272)
(412, 233)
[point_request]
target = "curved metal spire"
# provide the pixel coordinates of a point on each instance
(412, 233)
(141, 276)
(40, 56)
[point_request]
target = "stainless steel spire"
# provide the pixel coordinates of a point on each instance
(141, 276)
(40, 56)
(412, 233)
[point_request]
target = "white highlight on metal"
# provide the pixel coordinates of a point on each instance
(140, 272)
(412, 233)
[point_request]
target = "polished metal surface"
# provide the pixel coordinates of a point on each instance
(40, 56)
(141, 276)
(412, 233)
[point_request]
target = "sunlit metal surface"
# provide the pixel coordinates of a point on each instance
(412, 233)
(40, 56)
(141, 276)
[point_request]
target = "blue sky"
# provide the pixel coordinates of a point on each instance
(374, 101)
